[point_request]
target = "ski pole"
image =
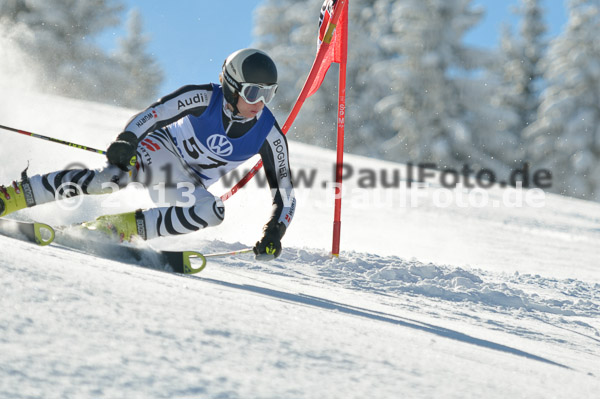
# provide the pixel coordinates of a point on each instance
(238, 252)
(39, 136)
(263, 257)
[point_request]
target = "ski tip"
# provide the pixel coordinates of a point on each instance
(44, 234)
(187, 264)
(181, 261)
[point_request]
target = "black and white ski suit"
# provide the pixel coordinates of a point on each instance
(187, 141)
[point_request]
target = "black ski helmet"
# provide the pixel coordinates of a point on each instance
(246, 66)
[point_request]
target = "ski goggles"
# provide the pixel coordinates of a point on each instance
(254, 92)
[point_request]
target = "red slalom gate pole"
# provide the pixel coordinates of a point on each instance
(341, 122)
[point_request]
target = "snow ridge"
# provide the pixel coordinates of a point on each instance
(394, 276)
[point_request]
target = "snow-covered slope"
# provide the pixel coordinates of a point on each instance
(426, 300)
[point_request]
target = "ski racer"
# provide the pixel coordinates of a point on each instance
(187, 140)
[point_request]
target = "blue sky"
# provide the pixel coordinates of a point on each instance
(191, 38)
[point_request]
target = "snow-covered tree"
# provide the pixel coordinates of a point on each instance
(566, 136)
(58, 36)
(140, 73)
(438, 100)
(10, 9)
(520, 74)
(532, 48)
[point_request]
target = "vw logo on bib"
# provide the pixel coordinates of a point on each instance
(219, 145)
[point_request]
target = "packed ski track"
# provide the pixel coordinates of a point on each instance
(424, 301)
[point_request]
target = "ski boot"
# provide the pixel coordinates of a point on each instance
(121, 227)
(15, 197)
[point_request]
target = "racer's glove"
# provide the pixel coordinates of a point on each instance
(269, 247)
(121, 152)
